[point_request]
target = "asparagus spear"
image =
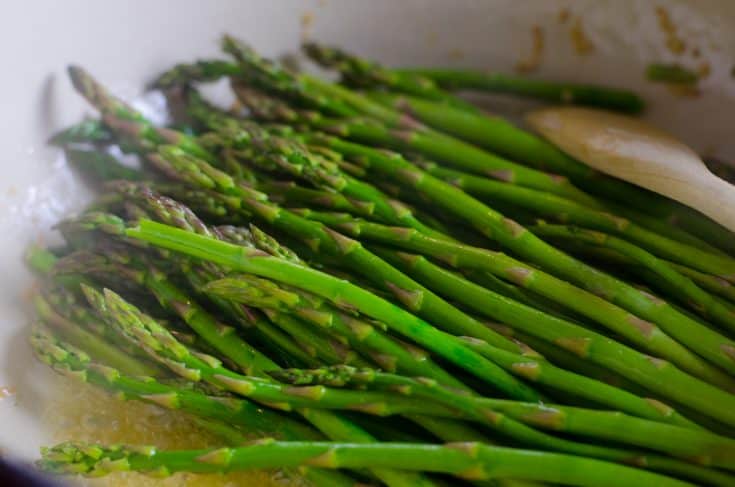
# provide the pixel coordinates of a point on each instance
(169, 344)
(361, 334)
(433, 144)
(329, 350)
(122, 119)
(235, 415)
(335, 427)
(218, 335)
(170, 211)
(201, 71)
(362, 73)
(648, 371)
(490, 371)
(92, 343)
(443, 428)
(518, 239)
(288, 191)
(272, 153)
(553, 207)
(160, 345)
(713, 284)
(686, 290)
(239, 413)
(521, 274)
(306, 89)
(590, 95)
(443, 147)
(528, 366)
(85, 132)
(708, 448)
(499, 135)
(241, 196)
(338, 291)
(473, 461)
(435, 340)
(99, 166)
(163, 347)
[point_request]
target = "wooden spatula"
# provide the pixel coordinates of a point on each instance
(639, 153)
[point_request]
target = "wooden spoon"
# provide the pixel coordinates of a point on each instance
(639, 153)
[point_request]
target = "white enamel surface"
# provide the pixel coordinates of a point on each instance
(125, 43)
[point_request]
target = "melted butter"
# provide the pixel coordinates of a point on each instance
(84, 413)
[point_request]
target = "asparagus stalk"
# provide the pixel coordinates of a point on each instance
(420, 332)
(441, 147)
(201, 71)
(99, 166)
(473, 461)
(92, 343)
(191, 363)
(590, 95)
(335, 427)
(526, 366)
(88, 131)
(708, 448)
(272, 153)
(671, 382)
(559, 209)
(505, 267)
(317, 237)
(164, 347)
(240, 196)
(329, 350)
(647, 371)
(263, 72)
(288, 191)
(362, 73)
(566, 361)
(232, 346)
(239, 413)
(232, 415)
(218, 335)
(362, 335)
(498, 135)
(512, 431)
(443, 428)
(713, 284)
(170, 211)
(160, 345)
(433, 144)
(122, 119)
(518, 239)
(686, 290)
(506, 381)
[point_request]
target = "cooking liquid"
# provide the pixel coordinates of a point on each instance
(83, 412)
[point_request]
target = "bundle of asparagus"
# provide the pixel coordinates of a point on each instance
(323, 265)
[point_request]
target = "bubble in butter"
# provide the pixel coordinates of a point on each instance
(85, 413)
